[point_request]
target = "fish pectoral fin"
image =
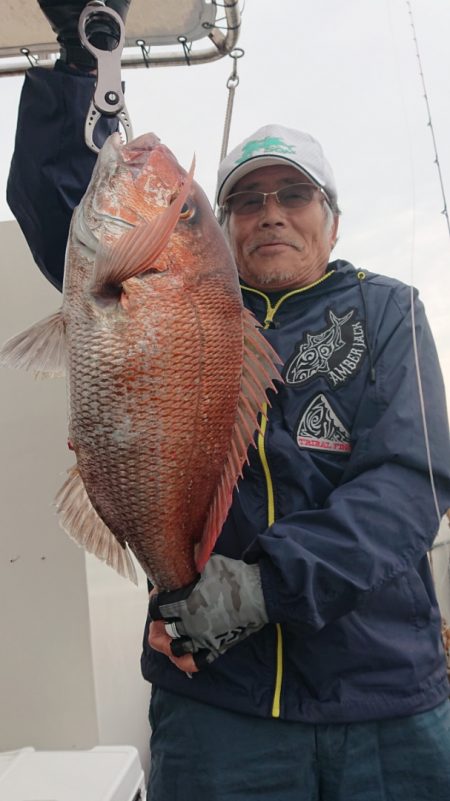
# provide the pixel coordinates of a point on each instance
(81, 522)
(39, 349)
(137, 250)
(258, 374)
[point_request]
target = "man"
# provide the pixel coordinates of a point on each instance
(335, 515)
(306, 661)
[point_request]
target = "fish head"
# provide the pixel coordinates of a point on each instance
(129, 184)
(140, 194)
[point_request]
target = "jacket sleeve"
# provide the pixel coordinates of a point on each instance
(51, 165)
(318, 565)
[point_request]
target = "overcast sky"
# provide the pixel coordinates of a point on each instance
(347, 72)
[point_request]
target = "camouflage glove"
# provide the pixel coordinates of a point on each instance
(63, 16)
(224, 606)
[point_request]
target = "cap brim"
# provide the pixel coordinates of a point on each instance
(255, 163)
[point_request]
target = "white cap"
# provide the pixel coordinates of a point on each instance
(271, 145)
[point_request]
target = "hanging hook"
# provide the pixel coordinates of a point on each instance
(186, 48)
(232, 83)
(145, 50)
(32, 60)
(233, 80)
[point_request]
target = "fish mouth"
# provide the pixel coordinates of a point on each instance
(145, 142)
(135, 153)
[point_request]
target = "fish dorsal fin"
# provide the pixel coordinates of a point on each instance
(81, 522)
(137, 250)
(39, 349)
(258, 375)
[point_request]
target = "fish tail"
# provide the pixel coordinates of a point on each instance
(39, 349)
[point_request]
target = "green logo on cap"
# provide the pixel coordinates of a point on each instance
(271, 144)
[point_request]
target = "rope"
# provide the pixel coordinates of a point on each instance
(145, 50)
(32, 59)
(186, 48)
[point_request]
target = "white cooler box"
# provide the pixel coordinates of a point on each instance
(105, 773)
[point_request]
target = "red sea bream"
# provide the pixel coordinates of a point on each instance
(166, 370)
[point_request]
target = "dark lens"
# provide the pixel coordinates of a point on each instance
(245, 202)
(296, 195)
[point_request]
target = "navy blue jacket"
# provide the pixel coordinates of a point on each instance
(337, 508)
(336, 504)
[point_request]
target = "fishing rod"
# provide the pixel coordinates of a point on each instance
(430, 121)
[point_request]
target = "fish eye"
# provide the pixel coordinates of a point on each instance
(187, 212)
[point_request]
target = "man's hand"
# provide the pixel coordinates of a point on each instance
(160, 641)
(63, 16)
(224, 606)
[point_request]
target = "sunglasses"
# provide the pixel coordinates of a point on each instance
(294, 196)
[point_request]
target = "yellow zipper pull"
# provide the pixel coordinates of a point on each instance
(269, 317)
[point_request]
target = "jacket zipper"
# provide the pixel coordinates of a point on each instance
(270, 521)
(270, 314)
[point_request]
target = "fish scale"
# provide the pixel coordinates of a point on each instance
(196, 434)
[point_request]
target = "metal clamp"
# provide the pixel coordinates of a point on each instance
(108, 99)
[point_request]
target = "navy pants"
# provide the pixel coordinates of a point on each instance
(204, 752)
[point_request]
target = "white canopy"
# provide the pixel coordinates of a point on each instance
(155, 24)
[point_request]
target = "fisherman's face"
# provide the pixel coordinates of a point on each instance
(278, 248)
